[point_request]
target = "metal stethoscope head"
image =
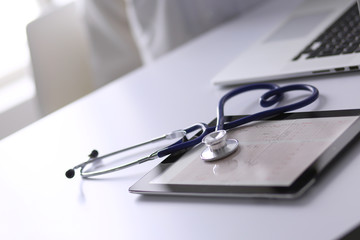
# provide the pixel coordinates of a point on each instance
(215, 139)
(218, 146)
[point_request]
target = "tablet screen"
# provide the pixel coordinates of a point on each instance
(270, 153)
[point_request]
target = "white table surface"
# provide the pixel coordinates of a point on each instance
(38, 202)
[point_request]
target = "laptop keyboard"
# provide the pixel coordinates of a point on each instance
(342, 37)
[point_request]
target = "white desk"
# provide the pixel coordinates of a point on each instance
(38, 202)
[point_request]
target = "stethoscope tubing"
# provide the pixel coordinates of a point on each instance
(256, 86)
(180, 145)
(265, 101)
(272, 96)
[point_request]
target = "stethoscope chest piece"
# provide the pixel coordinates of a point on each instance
(218, 146)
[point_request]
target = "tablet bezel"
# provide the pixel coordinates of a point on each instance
(297, 188)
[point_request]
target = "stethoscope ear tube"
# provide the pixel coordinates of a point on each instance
(94, 156)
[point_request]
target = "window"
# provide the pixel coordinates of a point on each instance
(16, 84)
(15, 81)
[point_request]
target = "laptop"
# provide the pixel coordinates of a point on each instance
(319, 37)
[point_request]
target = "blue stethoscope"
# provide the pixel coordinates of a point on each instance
(217, 145)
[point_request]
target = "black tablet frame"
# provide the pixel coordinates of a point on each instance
(297, 188)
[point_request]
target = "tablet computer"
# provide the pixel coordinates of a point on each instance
(280, 157)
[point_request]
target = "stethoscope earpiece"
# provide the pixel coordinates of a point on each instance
(70, 173)
(94, 153)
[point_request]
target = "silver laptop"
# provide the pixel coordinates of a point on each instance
(318, 37)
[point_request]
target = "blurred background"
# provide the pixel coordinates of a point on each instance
(56, 51)
(19, 92)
